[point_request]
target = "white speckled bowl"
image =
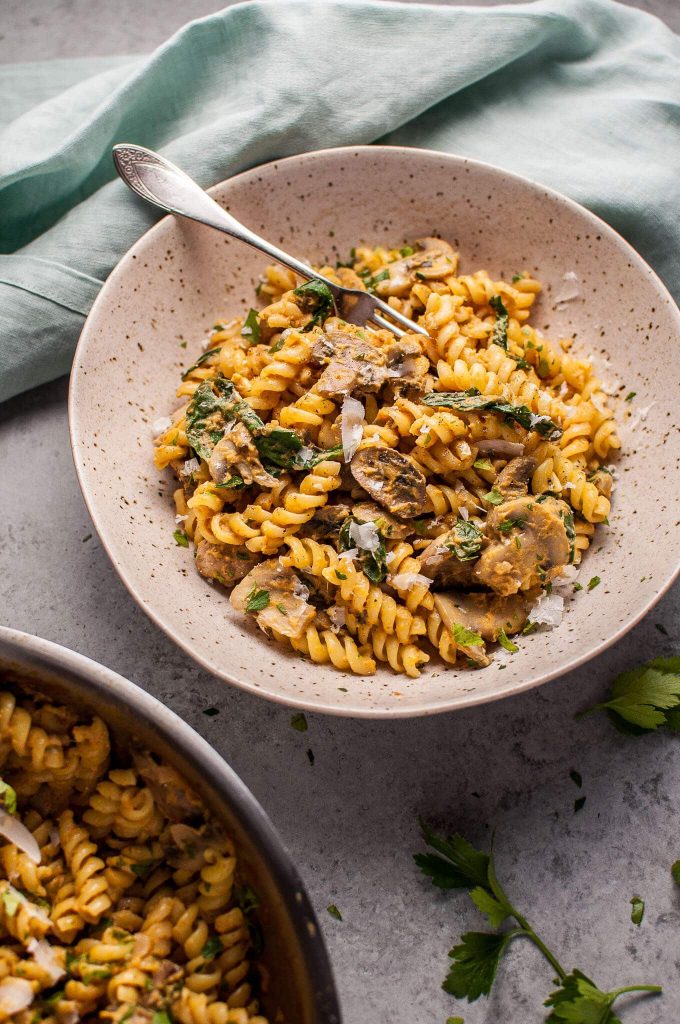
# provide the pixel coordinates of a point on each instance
(179, 277)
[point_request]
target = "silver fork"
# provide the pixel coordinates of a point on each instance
(158, 181)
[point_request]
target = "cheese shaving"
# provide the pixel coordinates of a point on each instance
(365, 536)
(351, 426)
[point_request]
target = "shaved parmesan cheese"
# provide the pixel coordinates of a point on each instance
(15, 995)
(160, 425)
(300, 590)
(568, 291)
(43, 954)
(180, 519)
(511, 448)
(351, 426)
(463, 513)
(306, 455)
(548, 610)
(365, 536)
(348, 556)
(206, 343)
(12, 829)
(406, 580)
(464, 449)
(189, 467)
(337, 616)
(390, 556)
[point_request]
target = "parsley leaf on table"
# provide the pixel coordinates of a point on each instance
(644, 698)
(456, 864)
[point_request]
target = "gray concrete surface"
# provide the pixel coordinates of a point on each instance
(350, 818)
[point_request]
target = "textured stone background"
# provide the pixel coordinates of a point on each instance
(350, 819)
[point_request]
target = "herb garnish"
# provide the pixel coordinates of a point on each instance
(247, 898)
(334, 912)
(472, 401)
(466, 637)
(251, 328)
(8, 797)
(644, 698)
(299, 722)
(257, 599)
(235, 482)
(215, 403)
(212, 948)
(494, 497)
(506, 643)
(181, 539)
(286, 449)
(637, 910)
(483, 464)
(201, 359)
(317, 299)
(499, 335)
(594, 582)
(466, 542)
(456, 864)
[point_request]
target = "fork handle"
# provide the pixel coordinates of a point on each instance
(158, 181)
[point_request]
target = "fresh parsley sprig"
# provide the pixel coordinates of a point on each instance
(644, 698)
(456, 864)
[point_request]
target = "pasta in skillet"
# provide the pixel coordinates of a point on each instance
(368, 499)
(118, 893)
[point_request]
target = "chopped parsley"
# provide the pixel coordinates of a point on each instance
(211, 712)
(577, 587)
(517, 277)
(277, 346)
(235, 482)
(483, 464)
(8, 797)
(579, 804)
(594, 582)
(334, 912)
(161, 1017)
(406, 250)
(258, 599)
(637, 911)
(494, 497)
(630, 396)
(576, 778)
(181, 539)
(506, 643)
(299, 722)
(512, 524)
(675, 872)
(466, 637)
(247, 898)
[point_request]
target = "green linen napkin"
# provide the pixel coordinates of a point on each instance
(581, 95)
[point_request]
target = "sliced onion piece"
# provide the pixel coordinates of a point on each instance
(511, 448)
(12, 829)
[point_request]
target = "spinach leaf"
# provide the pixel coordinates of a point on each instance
(201, 359)
(251, 328)
(215, 403)
(373, 563)
(317, 299)
(466, 542)
(473, 401)
(500, 328)
(286, 449)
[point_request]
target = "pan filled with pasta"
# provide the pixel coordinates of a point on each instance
(350, 520)
(140, 882)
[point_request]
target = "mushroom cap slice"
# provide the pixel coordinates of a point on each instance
(224, 562)
(485, 614)
(287, 610)
(513, 479)
(392, 479)
(390, 527)
(528, 545)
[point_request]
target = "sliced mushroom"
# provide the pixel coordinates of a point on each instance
(440, 562)
(326, 522)
(407, 367)
(485, 614)
(353, 365)
(603, 481)
(224, 562)
(452, 616)
(391, 479)
(173, 796)
(287, 610)
(435, 260)
(513, 480)
(236, 453)
(390, 527)
(528, 545)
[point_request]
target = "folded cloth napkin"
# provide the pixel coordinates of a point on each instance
(581, 95)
